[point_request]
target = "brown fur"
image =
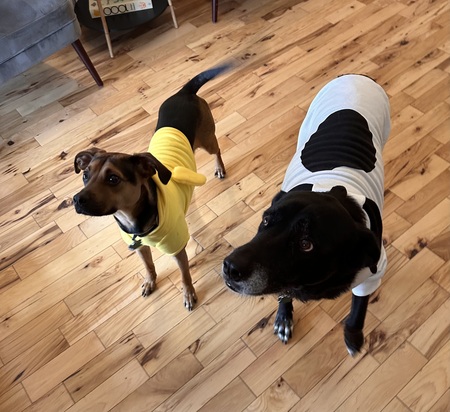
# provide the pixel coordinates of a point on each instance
(121, 184)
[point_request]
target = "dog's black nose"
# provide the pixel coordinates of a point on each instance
(78, 200)
(230, 270)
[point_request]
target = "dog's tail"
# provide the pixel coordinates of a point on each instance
(193, 85)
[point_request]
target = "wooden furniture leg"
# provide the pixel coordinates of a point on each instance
(172, 12)
(215, 8)
(87, 61)
(105, 27)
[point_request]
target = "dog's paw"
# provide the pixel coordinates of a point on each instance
(354, 340)
(283, 327)
(219, 173)
(147, 288)
(189, 298)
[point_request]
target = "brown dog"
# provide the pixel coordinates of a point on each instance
(149, 193)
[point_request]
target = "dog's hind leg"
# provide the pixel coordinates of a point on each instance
(284, 322)
(354, 324)
(206, 137)
(149, 284)
(189, 296)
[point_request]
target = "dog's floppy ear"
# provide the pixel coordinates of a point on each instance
(339, 192)
(277, 197)
(148, 165)
(83, 158)
(369, 249)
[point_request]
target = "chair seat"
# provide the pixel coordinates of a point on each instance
(26, 23)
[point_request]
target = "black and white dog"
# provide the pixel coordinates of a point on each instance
(322, 235)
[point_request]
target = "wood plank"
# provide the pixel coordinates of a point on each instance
(113, 390)
(261, 337)
(245, 232)
(426, 82)
(235, 396)
(425, 230)
(377, 391)
(133, 314)
(162, 385)
(101, 286)
(14, 400)
(28, 244)
(231, 328)
(430, 383)
(393, 227)
(54, 270)
(30, 334)
(152, 329)
(234, 194)
(104, 308)
(43, 255)
(56, 291)
(174, 343)
(404, 168)
(439, 245)
(406, 320)
(210, 380)
(422, 175)
(59, 368)
(441, 276)
(278, 359)
(56, 400)
(278, 397)
(222, 224)
(8, 277)
(337, 385)
(32, 360)
(405, 282)
(424, 200)
(102, 367)
(442, 404)
(305, 373)
(433, 333)
(396, 145)
(396, 406)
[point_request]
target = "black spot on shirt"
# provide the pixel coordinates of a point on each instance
(342, 139)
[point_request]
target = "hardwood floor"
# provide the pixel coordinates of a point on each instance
(76, 335)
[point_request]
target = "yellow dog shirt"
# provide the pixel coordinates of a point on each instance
(172, 149)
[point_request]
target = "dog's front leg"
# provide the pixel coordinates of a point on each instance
(149, 284)
(284, 323)
(354, 324)
(189, 296)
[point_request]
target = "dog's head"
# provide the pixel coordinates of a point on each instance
(305, 240)
(115, 181)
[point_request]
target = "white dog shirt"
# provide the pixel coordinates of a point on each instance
(340, 143)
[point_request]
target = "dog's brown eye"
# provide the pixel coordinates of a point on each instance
(306, 245)
(113, 179)
(85, 176)
(265, 221)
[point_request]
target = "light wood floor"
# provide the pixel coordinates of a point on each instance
(76, 335)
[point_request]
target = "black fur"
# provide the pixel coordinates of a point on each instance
(335, 225)
(309, 246)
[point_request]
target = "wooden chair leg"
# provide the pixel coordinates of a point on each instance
(87, 61)
(105, 27)
(215, 8)
(172, 12)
